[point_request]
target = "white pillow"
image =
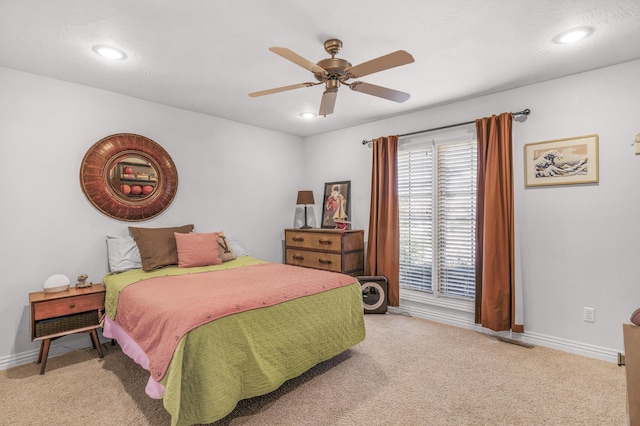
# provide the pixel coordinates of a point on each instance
(236, 247)
(123, 254)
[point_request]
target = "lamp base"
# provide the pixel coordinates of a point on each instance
(305, 219)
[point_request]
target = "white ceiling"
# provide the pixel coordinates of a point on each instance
(207, 55)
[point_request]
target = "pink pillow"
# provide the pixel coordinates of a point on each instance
(197, 249)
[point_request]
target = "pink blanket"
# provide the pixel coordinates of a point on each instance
(157, 312)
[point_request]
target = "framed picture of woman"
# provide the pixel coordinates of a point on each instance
(336, 208)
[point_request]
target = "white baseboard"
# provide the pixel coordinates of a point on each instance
(11, 361)
(578, 348)
(58, 347)
(465, 320)
(444, 316)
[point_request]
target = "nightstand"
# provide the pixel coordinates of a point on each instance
(54, 315)
(328, 249)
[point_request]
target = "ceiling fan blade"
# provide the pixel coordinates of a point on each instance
(379, 91)
(281, 89)
(392, 60)
(328, 102)
(298, 60)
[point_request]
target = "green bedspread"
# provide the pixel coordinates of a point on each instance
(252, 353)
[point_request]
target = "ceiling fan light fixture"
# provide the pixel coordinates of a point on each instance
(332, 85)
(308, 115)
(109, 52)
(573, 35)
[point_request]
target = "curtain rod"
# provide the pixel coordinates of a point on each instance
(524, 112)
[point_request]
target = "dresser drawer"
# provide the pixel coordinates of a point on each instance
(68, 305)
(314, 259)
(314, 240)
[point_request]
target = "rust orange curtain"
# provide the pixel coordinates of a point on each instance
(383, 252)
(495, 255)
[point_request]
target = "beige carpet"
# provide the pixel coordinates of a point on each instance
(408, 371)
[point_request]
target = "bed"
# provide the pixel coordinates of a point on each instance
(212, 335)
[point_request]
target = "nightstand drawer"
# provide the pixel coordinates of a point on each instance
(314, 240)
(67, 306)
(317, 260)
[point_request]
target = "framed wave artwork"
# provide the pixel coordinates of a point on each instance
(562, 161)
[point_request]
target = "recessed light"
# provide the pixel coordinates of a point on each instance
(109, 52)
(573, 35)
(308, 115)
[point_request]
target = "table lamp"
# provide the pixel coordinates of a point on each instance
(56, 283)
(305, 197)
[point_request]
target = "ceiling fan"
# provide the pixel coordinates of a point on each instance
(332, 72)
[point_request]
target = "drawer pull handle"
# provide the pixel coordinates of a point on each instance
(324, 262)
(325, 241)
(73, 305)
(298, 239)
(296, 257)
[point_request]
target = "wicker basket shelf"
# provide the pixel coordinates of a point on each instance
(66, 323)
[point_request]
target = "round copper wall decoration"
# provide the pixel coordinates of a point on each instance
(128, 177)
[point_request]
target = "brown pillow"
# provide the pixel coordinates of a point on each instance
(224, 249)
(158, 245)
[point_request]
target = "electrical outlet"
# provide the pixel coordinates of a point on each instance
(589, 314)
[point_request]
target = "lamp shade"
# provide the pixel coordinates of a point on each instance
(305, 197)
(56, 282)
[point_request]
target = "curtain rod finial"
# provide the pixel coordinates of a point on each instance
(521, 116)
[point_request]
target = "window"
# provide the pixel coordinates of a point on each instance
(437, 198)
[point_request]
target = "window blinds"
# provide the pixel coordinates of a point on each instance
(437, 197)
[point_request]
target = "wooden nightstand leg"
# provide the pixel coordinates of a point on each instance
(44, 353)
(96, 342)
(40, 353)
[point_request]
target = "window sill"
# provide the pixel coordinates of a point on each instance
(442, 302)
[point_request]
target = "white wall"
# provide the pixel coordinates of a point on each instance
(232, 177)
(578, 245)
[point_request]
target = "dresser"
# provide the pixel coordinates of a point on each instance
(631, 334)
(328, 249)
(54, 315)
